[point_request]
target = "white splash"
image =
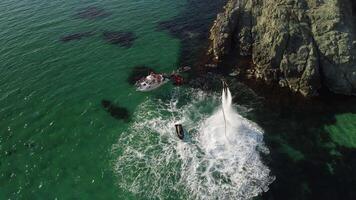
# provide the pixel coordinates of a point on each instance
(220, 160)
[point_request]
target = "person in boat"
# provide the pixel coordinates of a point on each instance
(177, 79)
(153, 77)
(159, 78)
(150, 77)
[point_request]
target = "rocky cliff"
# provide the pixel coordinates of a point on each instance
(299, 44)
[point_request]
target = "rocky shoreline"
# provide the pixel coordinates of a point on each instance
(302, 45)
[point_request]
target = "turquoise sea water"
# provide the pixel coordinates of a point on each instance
(55, 136)
(58, 142)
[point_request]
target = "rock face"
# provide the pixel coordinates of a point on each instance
(299, 44)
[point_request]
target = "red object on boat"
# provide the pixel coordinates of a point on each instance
(177, 79)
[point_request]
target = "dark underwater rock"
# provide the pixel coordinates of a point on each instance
(138, 72)
(92, 13)
(124, 39)
(76, 36)
(115, 111)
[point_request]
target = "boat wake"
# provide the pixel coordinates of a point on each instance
(220, 159)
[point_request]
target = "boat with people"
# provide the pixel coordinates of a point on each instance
(156, 80)
(151, 82)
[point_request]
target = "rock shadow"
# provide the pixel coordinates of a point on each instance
(115, 111)
(353, 6)
(192, 28)
(307, 163)
(138, 72)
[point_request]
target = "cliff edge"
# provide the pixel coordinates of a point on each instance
(300, 44)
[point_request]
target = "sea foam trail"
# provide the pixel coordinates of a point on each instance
(218, 161)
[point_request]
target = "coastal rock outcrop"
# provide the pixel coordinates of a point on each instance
(300, 44)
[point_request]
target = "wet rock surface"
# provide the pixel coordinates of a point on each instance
(303, 45)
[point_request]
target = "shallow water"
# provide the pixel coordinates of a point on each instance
(68, 111)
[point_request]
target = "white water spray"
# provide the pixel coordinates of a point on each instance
(220, 161)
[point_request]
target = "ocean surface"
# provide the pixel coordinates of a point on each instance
(72, 125)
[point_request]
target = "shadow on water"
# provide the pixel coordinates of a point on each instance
(115, 111)
(192, 27)
(307, 162)
(353, 5)
(138, 72)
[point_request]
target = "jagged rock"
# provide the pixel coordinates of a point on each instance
(299, 44)
(223, 30)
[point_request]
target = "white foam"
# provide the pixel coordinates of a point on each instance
(212, 164)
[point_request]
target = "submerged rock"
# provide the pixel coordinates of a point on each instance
(92, 13)
(115, 111)
(76, 36)
(303, 45)
(124, 39)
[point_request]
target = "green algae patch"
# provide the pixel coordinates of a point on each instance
(343, 132)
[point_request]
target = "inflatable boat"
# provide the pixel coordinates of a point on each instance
(151, 82)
